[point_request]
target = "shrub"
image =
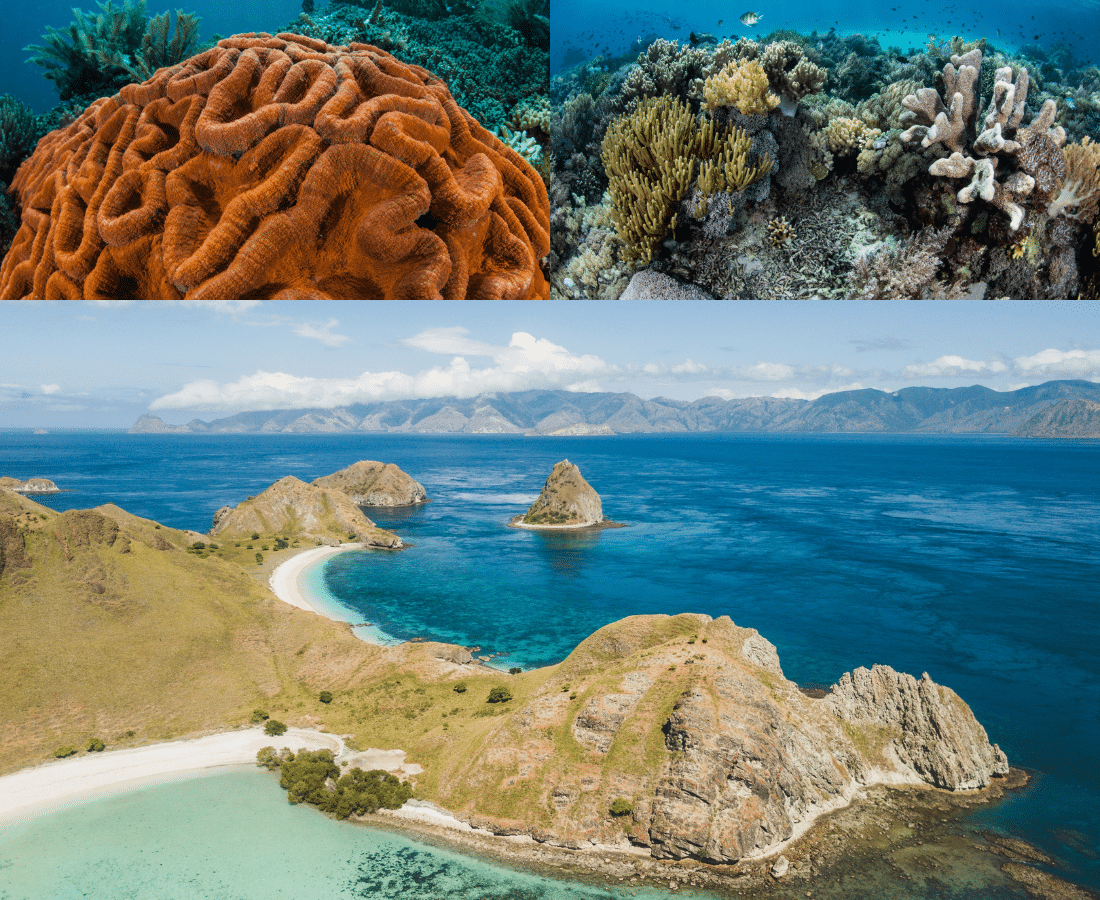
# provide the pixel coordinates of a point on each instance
(198, 545)
(325, 697)
(258, 715)
(515, 670)
(306, 779)
(460, 687)
(62, 752)
(281, 543)
(573, 696)
(264, 547)
(621, 807)
(274, 727)
(268, 757)
(255, 536)
(259, 557)
(499, 695)
(95, 745)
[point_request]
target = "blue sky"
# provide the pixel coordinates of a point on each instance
(88, 365)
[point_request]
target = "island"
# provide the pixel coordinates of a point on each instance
(567, 502)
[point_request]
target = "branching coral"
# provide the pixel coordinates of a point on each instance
(791, 75)
(653, 155)
(742, 85)
(279, 167)
(1080, 190)
(1032, 151)
(100, 53)
(847, 135)
(901, 271)
(18, 133)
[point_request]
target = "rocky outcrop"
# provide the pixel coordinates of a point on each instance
(292, 509)
(937, 739)
(80, 528)
(13, 553)
(370, 483)
(150, 424)
(567, 500)
(30, 486)
(720, 756)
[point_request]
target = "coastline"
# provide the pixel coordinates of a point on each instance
(64, 782)
(517, 522)
(285, 580)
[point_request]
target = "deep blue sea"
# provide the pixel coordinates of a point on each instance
(976, 559)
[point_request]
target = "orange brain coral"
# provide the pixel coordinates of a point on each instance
(279, 167)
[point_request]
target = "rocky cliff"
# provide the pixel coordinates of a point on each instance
(30, 486)
(292, 509)
(719, 757)
(567, 500)
(369, 483)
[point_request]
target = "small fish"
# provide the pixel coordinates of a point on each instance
(750, 19)
(1071, 103)
(719, 23)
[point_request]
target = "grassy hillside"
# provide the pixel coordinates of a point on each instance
(113, 629)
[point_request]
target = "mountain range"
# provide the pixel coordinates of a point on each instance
(1053, 409)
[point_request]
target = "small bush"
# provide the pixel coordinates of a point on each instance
(62, 752)
(268, 757)
(264, 547)
(255, 536)
(499, 695)
(95, 745)
(156, 526)
(325, 697)
(573, 696)
(621, 807)
(274, 727)
(259, 557)
(515, 670)
(214, 547)
(258, 716)
(198, 545)
(281, 543)
(460, 687)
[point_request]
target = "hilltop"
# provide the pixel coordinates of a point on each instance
(370, 483)
(969, 410)
(566, 501)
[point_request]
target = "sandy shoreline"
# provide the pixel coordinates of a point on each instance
(63, 782)
(285, 580)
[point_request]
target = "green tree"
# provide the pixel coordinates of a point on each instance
(258, 716)
(259, 558)
(620, 806)
(268, 757)
(198, 545)
(325, 697)
(95, 745)
(460, 687)
(62, 752)
(515, 670)
(274, 727)
(499, 695)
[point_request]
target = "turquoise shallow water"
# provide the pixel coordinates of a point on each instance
(234, 837)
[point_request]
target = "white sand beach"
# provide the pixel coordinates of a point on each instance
(63, 782)
(284, 581)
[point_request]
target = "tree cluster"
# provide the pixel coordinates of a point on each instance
(312, 776)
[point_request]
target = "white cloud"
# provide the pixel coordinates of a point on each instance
(450, 341)
(526, 363)
(953, 367)
(322, 333)
(1060, 364)
(796, 394)
(223, 307)
(50, 388)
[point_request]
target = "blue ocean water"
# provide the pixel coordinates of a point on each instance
(976, 559)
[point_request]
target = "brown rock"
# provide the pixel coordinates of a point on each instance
(370, 483)
(566, 500)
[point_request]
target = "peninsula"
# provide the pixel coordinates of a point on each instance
(30, 486)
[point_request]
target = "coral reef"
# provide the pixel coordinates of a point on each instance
(1079, 193)
(279, 167)
(18, 134)
(902, 271)
(100, 53)
(791, 74)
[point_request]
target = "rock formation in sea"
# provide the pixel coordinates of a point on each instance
(293, 509)
(566, 500)
(719, 757)
(370, 483)
(30, 486)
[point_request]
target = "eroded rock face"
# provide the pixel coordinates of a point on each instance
(566, 500)
(370, 483)
(293, 508)
(30, 486)
(939, 739)
(692, 721)
(13, 554)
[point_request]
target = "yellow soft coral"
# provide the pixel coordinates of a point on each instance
(742, 85)
(1081, 186)
(532, 114)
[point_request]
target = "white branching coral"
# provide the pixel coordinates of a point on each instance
(1079, 196)
(979, 148)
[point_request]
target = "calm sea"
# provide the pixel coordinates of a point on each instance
(976, 559)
